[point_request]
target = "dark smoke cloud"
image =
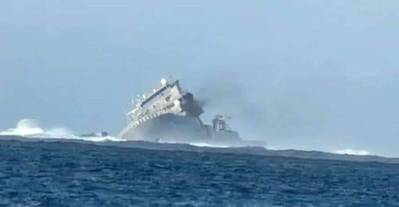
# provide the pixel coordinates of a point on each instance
(265, 112)
(230, 98)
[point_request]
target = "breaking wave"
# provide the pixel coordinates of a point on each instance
(199, 144)
(32, 128)
(352, 152)
(25, 127)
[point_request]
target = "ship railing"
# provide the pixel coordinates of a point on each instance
(149, 117)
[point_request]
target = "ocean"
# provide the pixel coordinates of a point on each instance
(79, 174)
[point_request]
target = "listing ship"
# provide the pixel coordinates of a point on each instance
(169, 114)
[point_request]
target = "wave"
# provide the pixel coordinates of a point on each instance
(31, 128)
(25, 127)
(352, 152)
(200, 144)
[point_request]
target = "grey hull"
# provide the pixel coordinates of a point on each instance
(182, 129)
(166, 127)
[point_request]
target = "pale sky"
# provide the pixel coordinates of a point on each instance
(309, 74)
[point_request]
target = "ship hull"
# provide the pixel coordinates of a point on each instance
(168, 127)
(181, 129)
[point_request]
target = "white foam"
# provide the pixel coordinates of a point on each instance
(197, 144)
(352, 152)
(200, 144)
(31, 128)
(101, 139)
(25, 127)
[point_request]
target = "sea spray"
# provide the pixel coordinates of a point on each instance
(31, 128)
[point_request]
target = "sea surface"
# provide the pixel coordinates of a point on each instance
(73, 174)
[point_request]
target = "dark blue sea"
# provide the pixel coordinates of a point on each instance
(73, 174)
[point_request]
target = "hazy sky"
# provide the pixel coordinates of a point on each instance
(309, 74)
